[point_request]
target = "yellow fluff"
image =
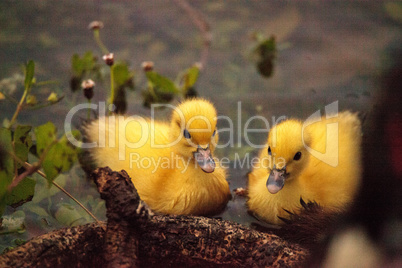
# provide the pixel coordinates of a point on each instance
(319, 163)
(170, 164)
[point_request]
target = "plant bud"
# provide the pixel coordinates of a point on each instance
(52, 97)
(147, 66)
(31, 100)
(88, 86)
(109, 59)
(95, 25)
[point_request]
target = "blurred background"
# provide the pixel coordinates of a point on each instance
(326, 51)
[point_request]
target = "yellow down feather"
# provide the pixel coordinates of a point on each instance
(160, 160)
(330, 177)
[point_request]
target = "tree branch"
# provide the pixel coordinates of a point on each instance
(136, 238)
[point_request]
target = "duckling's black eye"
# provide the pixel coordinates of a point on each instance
(186, 134)
(269, 151)
(297, 156)
(213, 134)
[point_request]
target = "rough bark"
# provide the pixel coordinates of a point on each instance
(80, 246)
(134, 237)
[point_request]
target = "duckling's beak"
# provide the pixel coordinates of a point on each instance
(276, 180)
(204, 159)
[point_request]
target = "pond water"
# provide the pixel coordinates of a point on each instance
(329, 51)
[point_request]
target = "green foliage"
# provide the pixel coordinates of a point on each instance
(188, 79)
(162, 90)
(160, 83)
(123, 77)
(265, 53)
(59, 156)
(21, 193)
(13, 223)
(84, 66)
(29, 74)
(45, 136)
(6, 167)
(54, 155)
(68, 215)
(22, 142)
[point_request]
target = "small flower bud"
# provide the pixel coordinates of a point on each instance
(88, 86)
(95, 25)
(147, 66)
(198, 65)
(109, 59)
(31, 100)
(52, 97)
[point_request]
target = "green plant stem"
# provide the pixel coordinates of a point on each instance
(151, 90)
(43, 105)
(64, 191)
(99, 42)
(112, 93)
(30, 169)
(19, 108)
(26, 173)
(89, 111)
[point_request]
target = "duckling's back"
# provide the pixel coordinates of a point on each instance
(333, 174)
(129, 143)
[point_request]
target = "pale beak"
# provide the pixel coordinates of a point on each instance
(204, 159)
(276, 180)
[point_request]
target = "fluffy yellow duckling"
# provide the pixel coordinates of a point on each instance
(319, 162)
(171, 165)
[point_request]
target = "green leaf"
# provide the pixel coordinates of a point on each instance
(192, 76)
(22, 142)
(40, 211)
(88, 61)
(59, 158)
(29, 74)
(266, 52)
(122, 74)
(76, 65)
(21, 193)
(53, 162)
(69, 152)
(68, 215)
(267, 48)
(53, 97)
(6, 162)
(13, 223)
(189, 78)
(163, 84)
(45, 135)
(31, 100)
(83, 65)
(43, 192)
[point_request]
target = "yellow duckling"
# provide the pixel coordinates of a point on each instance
(317, 161)
(171, 165)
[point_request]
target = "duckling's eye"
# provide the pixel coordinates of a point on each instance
(297, 156)
(269, 151)
(186, 134)
(213, 134)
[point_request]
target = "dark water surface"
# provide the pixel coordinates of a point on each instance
(329, 51)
